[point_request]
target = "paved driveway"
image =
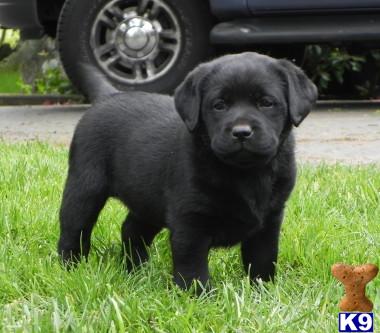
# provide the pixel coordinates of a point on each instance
(331, 136)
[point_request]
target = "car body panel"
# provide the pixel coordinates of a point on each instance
(244, 8)
(240, 20)
(259, 6)
(285, 29)
(229, 8)
(21, 14)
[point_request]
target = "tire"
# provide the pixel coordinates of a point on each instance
(81, 32)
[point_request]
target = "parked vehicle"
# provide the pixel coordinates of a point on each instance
(151, 44)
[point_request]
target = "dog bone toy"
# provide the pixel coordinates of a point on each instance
(355, 279)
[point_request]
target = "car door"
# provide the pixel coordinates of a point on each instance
(262, 6)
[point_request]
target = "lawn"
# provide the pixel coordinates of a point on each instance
(333, 216)
(9, 82)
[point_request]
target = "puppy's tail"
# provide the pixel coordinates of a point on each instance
(97, 86)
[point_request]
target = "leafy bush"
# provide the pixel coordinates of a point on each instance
(342, 72)
(327, 65)
(10, 37)
(52, 81)
(8, 42)
(370, 87)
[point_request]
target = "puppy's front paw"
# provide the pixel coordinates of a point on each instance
(69, 256)
(69, 259)
(193, 285)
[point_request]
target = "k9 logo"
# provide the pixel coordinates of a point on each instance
(355, 322)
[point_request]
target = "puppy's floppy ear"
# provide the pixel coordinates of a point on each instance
(302, 93)
(188, 97)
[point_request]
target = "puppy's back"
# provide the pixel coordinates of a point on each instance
(127, 132)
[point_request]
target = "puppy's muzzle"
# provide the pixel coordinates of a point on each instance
(242, 132)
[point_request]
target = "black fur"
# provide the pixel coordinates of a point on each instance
(192, 176)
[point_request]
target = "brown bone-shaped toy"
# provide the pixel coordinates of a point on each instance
(355, 279)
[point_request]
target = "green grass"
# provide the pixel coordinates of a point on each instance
(9, 82)
(333, 216)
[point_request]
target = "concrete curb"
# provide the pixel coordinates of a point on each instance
(18, 100)
(12, 99)
(352, 105)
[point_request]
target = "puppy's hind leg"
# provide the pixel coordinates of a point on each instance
(84, 196)
(136, 235)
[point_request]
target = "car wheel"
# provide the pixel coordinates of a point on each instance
(145, 45)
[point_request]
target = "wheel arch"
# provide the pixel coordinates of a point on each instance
(48, 13)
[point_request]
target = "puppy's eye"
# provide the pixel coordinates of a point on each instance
(220, 105)
(266, 103)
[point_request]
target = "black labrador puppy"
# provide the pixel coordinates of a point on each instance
(215, 165)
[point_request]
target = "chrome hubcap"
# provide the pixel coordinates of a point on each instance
(136, 37)
(136, 41)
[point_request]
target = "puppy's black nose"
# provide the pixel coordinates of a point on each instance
(242, 132)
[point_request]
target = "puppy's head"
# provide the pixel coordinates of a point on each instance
(245, 102)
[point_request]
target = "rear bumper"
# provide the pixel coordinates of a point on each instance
(19, 14)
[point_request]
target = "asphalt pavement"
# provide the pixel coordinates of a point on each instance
(330, 136)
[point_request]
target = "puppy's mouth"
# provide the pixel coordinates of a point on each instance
(245, 157)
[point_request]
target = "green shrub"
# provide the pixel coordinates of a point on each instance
(344, 72)
(10, 37)
(370, 87)
(52, 81)
(327, 65)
